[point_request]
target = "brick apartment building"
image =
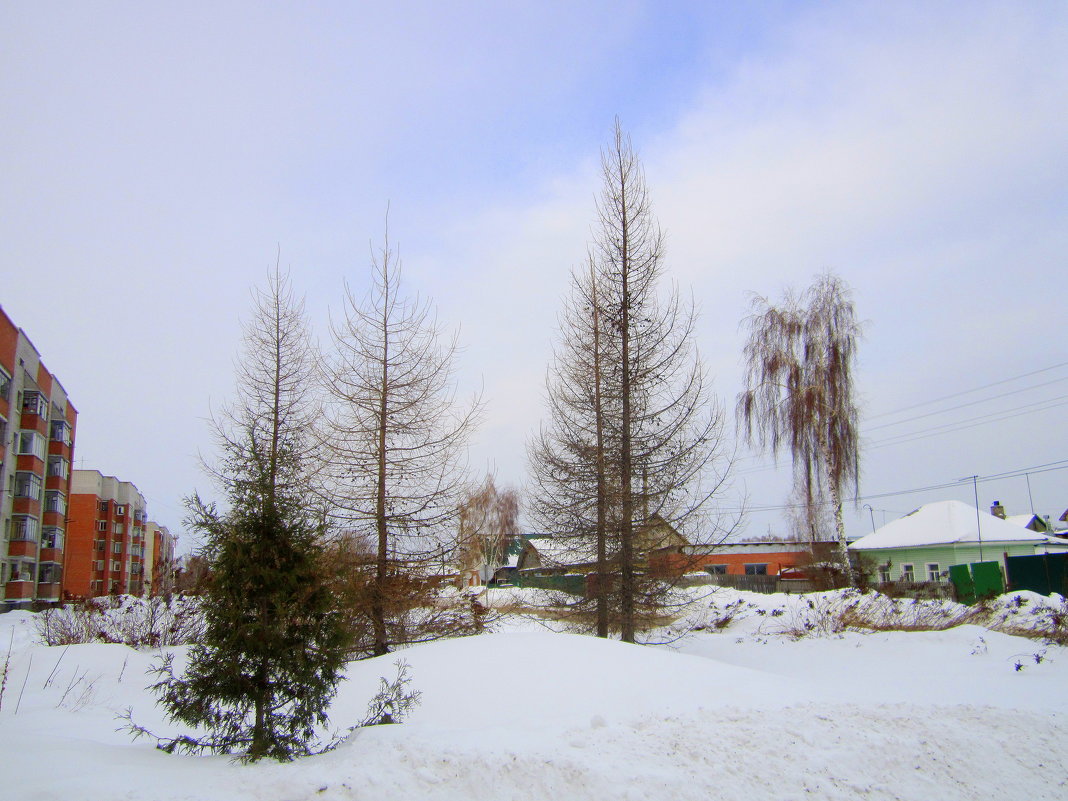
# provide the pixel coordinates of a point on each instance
(159, 556)
(37, 428)
(106, 537)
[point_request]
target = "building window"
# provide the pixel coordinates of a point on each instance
(120, 510)
(55, 502)
(58, 467)
(28, 485)
(98, 545)
(933, 573)
(716, 570)
(21, 571)
(5, 384)
(116, 547)
(908, 572)
(116, 566)
(51, 537)
(49, 573)
(103, 507)
(756, 570)
(34, 403)
(884, 573)
(24, 528)
(120, 529)
(101, 525)
(97, 587)
(31, 444)
(61, 431)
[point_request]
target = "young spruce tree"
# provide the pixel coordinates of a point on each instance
(260, 682)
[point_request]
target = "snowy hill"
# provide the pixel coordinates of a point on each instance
(746, 711)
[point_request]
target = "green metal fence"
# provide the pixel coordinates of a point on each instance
(976, 581)
(1043, 573)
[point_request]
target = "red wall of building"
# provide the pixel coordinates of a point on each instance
(79, 557)
(777, 561)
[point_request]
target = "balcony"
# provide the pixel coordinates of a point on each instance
(48, 592)
(18, 590)
(22, 548)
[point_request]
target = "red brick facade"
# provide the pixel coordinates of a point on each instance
(37, 430)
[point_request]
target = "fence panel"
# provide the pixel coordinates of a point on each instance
(1043, 573)
(988, 579)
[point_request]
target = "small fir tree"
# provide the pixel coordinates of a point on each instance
(274, 647)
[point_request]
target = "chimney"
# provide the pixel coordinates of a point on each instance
(998, 510)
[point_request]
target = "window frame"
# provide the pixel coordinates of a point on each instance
(53, 535)
(27, 485)
(38, 445)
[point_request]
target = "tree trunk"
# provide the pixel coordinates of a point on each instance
(602, 500)
(626, 550)
(378, 596)
(839, 526)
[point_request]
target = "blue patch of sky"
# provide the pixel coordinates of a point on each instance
(495, 135)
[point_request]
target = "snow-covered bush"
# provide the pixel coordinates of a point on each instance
(136, 622)
(819, 614)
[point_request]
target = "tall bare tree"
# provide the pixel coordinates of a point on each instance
(395, 433)
(634, 433)
(799, 394)
(568, 456)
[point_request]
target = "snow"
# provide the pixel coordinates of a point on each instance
(943, 523)
(766, 700)
(1021, 520)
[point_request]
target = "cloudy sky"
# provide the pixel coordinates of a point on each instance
(155, 156)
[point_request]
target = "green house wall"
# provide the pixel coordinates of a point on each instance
(943, 555)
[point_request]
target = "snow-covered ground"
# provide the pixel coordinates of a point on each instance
(743, 708)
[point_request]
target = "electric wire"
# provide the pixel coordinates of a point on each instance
(968, 391)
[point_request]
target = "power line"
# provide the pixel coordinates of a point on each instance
(949, 428)
(969, 403)
(1043, 468)
(1024, 470)
(968, 391)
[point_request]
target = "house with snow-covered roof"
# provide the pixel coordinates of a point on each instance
(922, 545)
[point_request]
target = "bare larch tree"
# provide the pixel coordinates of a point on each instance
(799, 394)
(396, 435)
(569, 475)
(634, 434)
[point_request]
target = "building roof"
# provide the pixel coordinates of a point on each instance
(946, 523)
(1024, 520)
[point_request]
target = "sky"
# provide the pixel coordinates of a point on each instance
(155, 158)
